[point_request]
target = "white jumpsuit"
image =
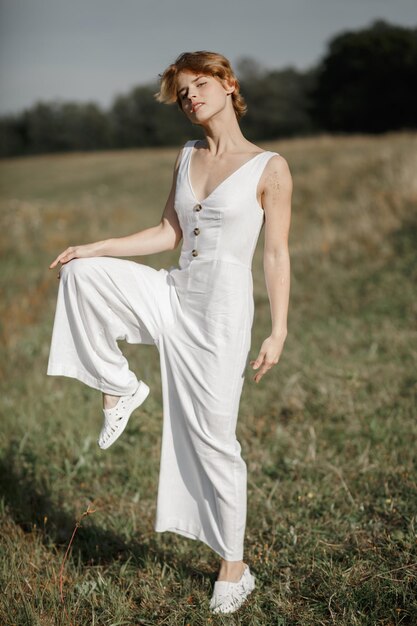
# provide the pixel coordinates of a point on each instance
(199, 315)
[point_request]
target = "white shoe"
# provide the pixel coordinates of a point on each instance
(116, 419)
(229, 596)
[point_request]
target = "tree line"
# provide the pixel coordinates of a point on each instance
(364, 83)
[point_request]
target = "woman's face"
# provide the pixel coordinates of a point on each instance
(201, 96)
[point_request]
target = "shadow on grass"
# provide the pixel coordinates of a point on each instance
(28, 502)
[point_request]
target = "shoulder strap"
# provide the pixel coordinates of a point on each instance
(264, 158)
(186, 151)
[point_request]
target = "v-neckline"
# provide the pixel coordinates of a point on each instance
(222, 182)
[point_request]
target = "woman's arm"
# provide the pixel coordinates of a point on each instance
(164, 236)
(276, 201)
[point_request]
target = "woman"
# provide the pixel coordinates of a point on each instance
(199, 314)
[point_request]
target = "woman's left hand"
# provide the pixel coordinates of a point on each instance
(269, 355)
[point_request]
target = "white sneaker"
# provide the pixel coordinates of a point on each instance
(229, 596)
(116, 419)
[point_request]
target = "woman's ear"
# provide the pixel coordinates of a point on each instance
(232, 87)
(229, 86)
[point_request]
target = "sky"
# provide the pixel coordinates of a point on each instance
(94, 50)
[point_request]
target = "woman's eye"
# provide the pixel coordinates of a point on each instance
(198, 85)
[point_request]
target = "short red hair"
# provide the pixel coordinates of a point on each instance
(204, 62)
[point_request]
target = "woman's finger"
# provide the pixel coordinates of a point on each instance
(257, 362)
(266, 365)
(57, 260)
(64, 257)
(259, 374)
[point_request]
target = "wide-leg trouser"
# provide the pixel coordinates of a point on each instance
(102, 300)
(202, 479)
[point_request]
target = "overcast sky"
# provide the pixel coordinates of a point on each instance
(94, 49)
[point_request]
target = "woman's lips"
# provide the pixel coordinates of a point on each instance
(197, 106)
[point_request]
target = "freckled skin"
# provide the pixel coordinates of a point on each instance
(272, 181)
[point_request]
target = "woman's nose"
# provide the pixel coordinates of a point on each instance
(192, 95)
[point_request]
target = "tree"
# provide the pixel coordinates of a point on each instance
(366, 82)
(137, 119)
(278, 103)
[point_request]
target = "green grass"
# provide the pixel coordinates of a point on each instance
(329, 434)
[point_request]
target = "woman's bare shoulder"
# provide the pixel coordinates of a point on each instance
(276, 175)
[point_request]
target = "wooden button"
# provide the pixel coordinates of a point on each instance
(196, 231)
(195, 253)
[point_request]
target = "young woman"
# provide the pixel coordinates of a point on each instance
(199, 314)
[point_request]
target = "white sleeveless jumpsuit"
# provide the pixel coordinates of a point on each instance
(199, 315)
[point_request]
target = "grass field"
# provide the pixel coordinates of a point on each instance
(329, 434)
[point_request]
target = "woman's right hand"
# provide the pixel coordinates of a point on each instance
(75, 252)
